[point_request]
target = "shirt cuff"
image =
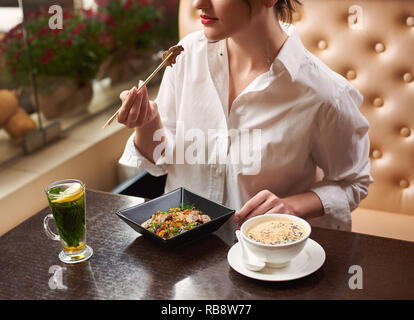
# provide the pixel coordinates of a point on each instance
(133, 158)
(335, 205)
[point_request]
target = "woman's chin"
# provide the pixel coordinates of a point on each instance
(211, 35)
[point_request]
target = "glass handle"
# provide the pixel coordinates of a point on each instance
(49, 232)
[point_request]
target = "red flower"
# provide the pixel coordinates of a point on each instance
(89, 13)
(17, 55)
(102, 3)
(170, 8)
(68, 15)
(68, 43)
(107, 39)
(29, 15)
(78, 29)
(43, 31)
(18, 35)
(108, 19)
(15, 33)
(127, 4)
(147, 26)
(40, 11)
(15, 28)
(145, 2)
(47, 56)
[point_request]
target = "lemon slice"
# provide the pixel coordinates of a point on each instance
(72, 193)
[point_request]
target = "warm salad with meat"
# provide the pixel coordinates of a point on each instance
(175, 221)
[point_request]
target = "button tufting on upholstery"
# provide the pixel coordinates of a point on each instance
(379, 47)
(405, 132)
(404, 183)
(374, 39)
(376, 154)
(351, 74)
(408, 77)
(378, 102)
(322, 44)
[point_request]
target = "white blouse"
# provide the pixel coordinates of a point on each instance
(296, 117)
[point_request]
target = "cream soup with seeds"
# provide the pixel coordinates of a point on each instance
(277, 231)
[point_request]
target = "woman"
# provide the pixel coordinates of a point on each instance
(246, 73)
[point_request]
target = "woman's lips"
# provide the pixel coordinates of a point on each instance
(206, 19)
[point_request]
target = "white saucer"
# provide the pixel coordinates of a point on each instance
(308, 261)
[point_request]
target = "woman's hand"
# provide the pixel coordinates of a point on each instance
(263, 202)
(136, 110)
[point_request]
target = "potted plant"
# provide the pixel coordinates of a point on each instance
(166, 27)
(139, 29)
(63, 61)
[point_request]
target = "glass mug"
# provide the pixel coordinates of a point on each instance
(67, 203)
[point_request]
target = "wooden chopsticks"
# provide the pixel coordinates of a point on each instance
(172, 53)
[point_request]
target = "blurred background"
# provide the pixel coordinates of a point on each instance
(59, 84)
(53, 79)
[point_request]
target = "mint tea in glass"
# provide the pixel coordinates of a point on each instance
(67, 204)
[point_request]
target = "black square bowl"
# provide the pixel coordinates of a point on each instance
(136, 215)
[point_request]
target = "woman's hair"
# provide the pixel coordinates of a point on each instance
(284, 9)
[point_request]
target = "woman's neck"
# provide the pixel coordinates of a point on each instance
(256, 47)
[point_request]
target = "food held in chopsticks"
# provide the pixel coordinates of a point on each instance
(175, 50)
(175, 221)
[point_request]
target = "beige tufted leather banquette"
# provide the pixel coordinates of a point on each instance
(371, 43)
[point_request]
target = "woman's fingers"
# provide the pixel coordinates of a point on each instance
(123, 95)
(249, 206)
(126, 106)
(280, 208)
(263, 208)
(262, 203)
(135, 112)
(136, 109)
(143, 93)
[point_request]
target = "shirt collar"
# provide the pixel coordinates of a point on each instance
(292, 52)
(289, 58)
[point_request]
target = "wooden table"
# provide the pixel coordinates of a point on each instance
(125, 265)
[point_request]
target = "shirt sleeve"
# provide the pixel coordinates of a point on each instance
(166, 103)
(341, 150)
(131, 157)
